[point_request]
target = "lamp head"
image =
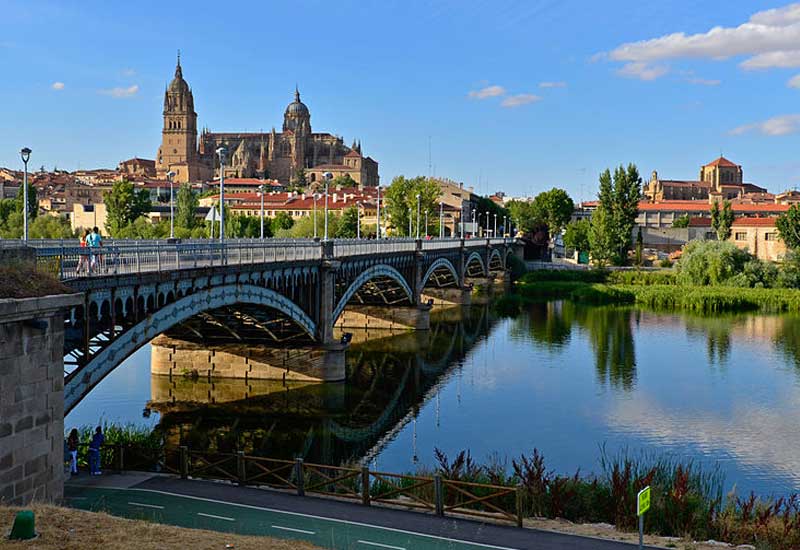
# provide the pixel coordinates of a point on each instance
(222, 152)
(328, 176)
(25, 153)
(170, 175)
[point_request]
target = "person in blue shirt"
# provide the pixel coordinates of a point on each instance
(94, 451)
(94, 241)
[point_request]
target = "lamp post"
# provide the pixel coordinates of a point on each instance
(441, 220)
(25, 153)
(487, 222)
(475, 221)
(462, 220)
(261, 189)
(410, 217)
(426, 224)
(494, 233)
(315, 197)
(378, 227)
(418, 197)
(170, 176)
(505, 225)
(328, 177)
(222, 152)
(358, 220)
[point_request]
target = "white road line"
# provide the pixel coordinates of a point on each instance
(322, 518)
(212, 516)
(294, 530)
(146, 505)
(379, 545)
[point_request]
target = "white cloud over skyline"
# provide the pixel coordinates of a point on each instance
(121, 93)
(487, 92)
(642, 70)
(519, 100)
(58, 86)
(781, 125)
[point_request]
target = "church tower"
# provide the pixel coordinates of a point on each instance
(178, 151)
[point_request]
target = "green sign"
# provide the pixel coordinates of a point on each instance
(643, 501)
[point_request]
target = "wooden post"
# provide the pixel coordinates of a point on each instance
(241, 468)
(438, 491)
(365, 497)
(184, 462)
(299, 477)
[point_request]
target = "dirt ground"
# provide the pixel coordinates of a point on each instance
(69, 529)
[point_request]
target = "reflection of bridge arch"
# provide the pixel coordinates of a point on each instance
(439, 265)
(374, 272)
(470, 263)
(79, 382)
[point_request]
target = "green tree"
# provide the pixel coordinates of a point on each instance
(711, 262)
(639, 247)
(555, 208)
(401, 202)
(343, 181)
(33, 201)
(186, 207)
(524, 216)
(615, 216)
(788, 225)
(681, 221)
(282, 221)
(299, 179)
(722, 220)
(576, 235)
(124, 205)
(348, 224)
(51, 227)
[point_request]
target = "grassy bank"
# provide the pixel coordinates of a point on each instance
(69, 529)
(654, 290)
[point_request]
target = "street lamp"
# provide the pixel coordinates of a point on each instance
(505, 225)
(487, 222)
(315, 196)
(418, 197)
(261, 189)
(441, 220)
(358, 220)
(378, 227)
(328, 177)
(170, 176)
(462, 219)
(494, 233)
(25, 153)
(222, 152)
(475, 221)
(410, 217)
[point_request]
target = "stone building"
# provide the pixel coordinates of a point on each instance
(720, 179)
(276, 155)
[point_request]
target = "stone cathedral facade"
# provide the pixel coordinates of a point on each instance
(276, 155)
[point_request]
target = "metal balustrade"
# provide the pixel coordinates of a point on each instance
(66, 259)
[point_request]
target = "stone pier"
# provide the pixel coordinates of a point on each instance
(448, 296)
(32, 398)
(385, 318)
(309, 364)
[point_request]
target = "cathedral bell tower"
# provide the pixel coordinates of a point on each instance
(178, 151)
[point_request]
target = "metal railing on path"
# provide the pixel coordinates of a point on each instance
(67, 260)
(432, 494)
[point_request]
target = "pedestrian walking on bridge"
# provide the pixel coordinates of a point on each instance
(94, 451)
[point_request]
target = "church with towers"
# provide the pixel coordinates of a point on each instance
(286, 155)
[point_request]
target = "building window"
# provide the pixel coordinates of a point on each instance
(771, 236)
(740, 236)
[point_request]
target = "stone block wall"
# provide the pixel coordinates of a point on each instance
(32, 399)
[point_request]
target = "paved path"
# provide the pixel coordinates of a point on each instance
(327, 523)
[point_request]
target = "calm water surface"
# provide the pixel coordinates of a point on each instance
(560, 377)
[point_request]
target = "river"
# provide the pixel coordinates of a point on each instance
(720, 391)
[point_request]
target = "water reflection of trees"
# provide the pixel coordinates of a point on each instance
(717, 332)
(787, 339)
(546, 323)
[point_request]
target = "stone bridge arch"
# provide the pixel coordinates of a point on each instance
(81, 381)
(375, 272)
(473, 259)
(441, 265)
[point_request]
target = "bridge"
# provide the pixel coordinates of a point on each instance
(290, 293)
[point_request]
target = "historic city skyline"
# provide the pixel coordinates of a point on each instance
(514, 96)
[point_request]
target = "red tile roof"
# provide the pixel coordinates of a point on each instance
(722, 161)
(755, 222)
(353, 153)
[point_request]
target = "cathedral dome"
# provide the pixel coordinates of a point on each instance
(297, 107)
(178, 84)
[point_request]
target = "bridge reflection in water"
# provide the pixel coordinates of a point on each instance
(389, 379)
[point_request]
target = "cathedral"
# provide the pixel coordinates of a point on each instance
(276, 155)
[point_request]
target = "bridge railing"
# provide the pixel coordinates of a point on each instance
(357, 247)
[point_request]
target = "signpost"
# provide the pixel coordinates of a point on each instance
(642, 506)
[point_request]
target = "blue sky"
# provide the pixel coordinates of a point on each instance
(83, 83)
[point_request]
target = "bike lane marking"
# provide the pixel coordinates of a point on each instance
(353, 531)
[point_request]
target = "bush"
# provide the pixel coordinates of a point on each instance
(756, 274)
(710, 262)
(570, 275)
(642, 278)
(789, 274)
(666, 262)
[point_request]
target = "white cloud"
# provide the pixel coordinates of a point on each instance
(552, 84)
(519, 100)
(772, 60)
(704, 81)
(58, 86)
(794, 82)
(776, 126)
(487, 92)
(642, 71)
(120, 93)
(771, 37)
